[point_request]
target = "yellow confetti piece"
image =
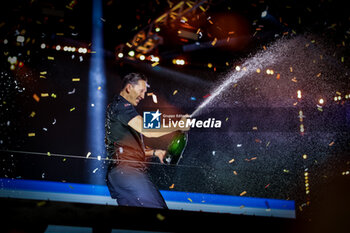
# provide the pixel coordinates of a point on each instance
(41, 76)
(214, 42)
(264, 47)
(75, 79)
(285, 170)
(189, 199)
(41, 203)
(43, 72)
(70, 186)
(48, 154)
(72, 109)
(234, 172)
(160, 217)
(242, 206)
(231, 161)
(226, 119)
(44, 94)
(64, 160)
(243, 193)
(32, 114)
(342, 59)
(155, 64)
(338, 93)
(31, 134)
(255, 128)
(174, 93)
(36, 98)
(291, 69)
(53, 95)
(50, 58)
(99, 88)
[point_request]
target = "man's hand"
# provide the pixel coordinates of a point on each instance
(160, 154)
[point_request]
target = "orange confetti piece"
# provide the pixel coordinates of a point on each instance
(172, 186)
(150, 93)
(331, 144)
(278, 76)
(36, 97)
(214, 41)
(234, 172)
(243, 193)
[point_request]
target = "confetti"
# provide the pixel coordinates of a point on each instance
(32, 114)
(214, 42)
(242, 206)
(94, 171)
(160, 217)
(174, 93)
(243, 193)
(71, 92)
(54, 121)
(48, 154)
(154, 98)
(31, 134)
(206, 96)
(50, 58)
(72, 109)
(88, 154)
(231, 161)
(234, 172)
(193, 98)
(41, 203)
(36, 97)
(172, 186)
(189, 199)
(155, 64)
(75, 79)
(44, 94)
(150, 94)
(267, 185)
(331, 144)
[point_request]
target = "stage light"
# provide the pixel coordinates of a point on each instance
(131, 53)
(12, 60)
(65, 48)
(238, 68)
(258, 71)
(157, 29)
(6, 41)
(20, 64)
(210, 65)
(321, 101)
(339, 97)
(335, 98)
(142, 57)
(96, 114)
(58, 47)
(72, 49)
(120, 55)
(12, 67)
(263, 14)
(43, 45)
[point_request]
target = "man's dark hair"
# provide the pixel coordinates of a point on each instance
(132, 78)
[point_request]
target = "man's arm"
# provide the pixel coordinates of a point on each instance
(137, 122)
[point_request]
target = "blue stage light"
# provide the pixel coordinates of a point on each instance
(96, 98)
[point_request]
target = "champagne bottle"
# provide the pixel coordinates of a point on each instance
(176, 148)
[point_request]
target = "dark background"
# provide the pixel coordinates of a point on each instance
(308, 29)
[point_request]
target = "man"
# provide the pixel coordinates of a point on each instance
(127, 179)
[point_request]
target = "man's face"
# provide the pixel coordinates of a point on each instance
(137, 92)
